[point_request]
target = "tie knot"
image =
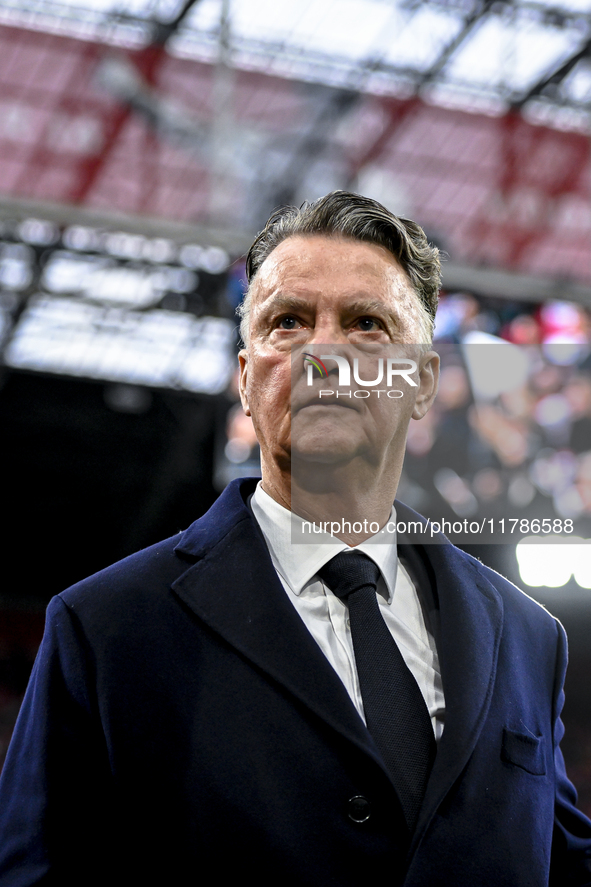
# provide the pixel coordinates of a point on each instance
(348, 572)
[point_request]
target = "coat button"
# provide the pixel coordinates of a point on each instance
(358, 809)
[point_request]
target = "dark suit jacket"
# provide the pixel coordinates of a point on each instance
(181, 725)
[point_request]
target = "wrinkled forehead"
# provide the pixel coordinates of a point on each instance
(337, 270)
(329, 262)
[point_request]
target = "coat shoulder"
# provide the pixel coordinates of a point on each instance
(156, 562)
(127, 591)
(141, 582)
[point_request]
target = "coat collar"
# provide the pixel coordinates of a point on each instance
(467, 614)
(225, 514)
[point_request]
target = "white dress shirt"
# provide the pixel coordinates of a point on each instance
(326, 617)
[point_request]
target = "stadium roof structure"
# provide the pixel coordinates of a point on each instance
(472, 116)
(143, 142)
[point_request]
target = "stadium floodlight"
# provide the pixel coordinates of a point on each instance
(551, 563)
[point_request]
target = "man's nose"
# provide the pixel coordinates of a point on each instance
(328, 331)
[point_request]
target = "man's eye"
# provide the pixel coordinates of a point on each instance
(368, 324)
(288, 323)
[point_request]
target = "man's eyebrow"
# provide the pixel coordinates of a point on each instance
(370, 306)
(280, 302)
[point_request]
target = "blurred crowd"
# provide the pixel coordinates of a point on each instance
(510, 432)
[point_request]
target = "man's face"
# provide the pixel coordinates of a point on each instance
(331, 291)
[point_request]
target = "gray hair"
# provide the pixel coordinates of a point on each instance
(344, 214)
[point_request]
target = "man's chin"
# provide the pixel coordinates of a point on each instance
(333, 436)
(323, 452)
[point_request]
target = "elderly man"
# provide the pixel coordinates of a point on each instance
(241, 702)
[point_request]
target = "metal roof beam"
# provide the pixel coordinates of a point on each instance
(470, 23)
(557, 76)
(456, 275)
(162, 31)
(308, 149)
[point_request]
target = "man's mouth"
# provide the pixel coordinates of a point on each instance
(326, 400)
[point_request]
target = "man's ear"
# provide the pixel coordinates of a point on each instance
(243, 361)
(428, 384)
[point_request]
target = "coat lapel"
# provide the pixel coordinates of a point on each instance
(468, 627)
(234, 589)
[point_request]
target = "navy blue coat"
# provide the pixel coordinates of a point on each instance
(182, 725)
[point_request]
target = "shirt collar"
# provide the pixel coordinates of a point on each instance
(298, 563)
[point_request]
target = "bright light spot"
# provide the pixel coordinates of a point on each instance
(582, 567)
(518, 52)
(38, 231)
(154, 348)
(552, 563)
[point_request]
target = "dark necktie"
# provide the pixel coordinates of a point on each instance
(395, 711)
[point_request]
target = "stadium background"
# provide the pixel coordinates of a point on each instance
(143, 143)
